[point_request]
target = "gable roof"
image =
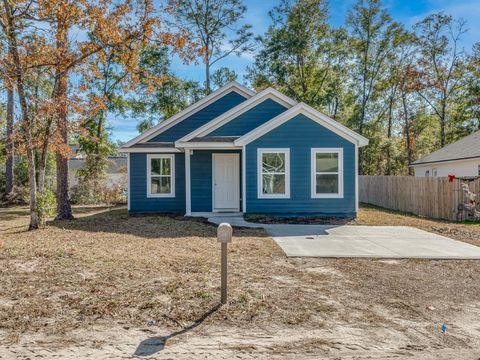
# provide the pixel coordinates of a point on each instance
(466, 148)
(192, 109)
(236, 111)
(312, 114)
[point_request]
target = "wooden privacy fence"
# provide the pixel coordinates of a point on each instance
(432, 197)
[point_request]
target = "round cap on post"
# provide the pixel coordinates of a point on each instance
(224, 233)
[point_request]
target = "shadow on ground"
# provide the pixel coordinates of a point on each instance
(117, 220)
(156, 344)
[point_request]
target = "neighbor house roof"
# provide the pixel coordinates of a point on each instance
(466, 148)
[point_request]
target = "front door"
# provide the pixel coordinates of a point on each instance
(226, 182)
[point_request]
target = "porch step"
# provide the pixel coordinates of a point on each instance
(218, 214)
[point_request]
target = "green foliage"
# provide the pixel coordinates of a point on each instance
(298, 52)
(222, 76)
(214, 26)
(98, 191)
(46, 205)
(164, 100)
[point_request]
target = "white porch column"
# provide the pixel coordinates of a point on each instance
(128, 181)
(188, 196)
(244, 181)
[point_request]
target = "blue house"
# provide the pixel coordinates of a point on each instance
(241, 151)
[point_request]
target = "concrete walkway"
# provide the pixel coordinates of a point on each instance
(337, 241)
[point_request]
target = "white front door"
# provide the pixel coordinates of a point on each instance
(226, 182)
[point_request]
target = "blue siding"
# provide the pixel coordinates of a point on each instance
(200, 118)
(300, 134)
(201, 178)
(140, 203)
(251, 119)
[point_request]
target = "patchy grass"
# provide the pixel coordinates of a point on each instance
(107, 268)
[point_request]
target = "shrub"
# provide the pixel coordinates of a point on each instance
(46, 205)
(95, 192)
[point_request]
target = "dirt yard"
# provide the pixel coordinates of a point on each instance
(109, 286)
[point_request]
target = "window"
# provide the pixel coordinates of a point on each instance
(427, 173)
(273, 173)
(327, 173)
(161, 175)
(434, 172)
(478, 170)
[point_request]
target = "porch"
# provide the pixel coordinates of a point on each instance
(213, 182)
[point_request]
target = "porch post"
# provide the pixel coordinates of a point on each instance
(188, 199)
(244, 181)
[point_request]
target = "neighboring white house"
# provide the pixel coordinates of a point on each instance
(461, 158)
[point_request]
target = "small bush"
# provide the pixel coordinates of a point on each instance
(46, 205)
(95, 192)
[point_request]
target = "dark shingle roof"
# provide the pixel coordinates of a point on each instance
(154, 145)
(466, 148)
(215, 139)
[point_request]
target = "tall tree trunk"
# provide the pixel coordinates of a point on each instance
(408, 136)
(10, 146)
(64, 209)
(26, 121)
(207, 76)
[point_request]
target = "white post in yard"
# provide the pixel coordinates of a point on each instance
(224, 236)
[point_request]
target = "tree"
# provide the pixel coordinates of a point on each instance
(11, 25)
(372, 34)
(209, 22)
(109, 24)
(154, 101)
(473, 86)
(222, 76)
(297, 52)
(9, 162)
(441, 64)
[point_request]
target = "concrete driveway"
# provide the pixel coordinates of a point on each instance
(338, 241)
(368, 241)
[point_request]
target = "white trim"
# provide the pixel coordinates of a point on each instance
(150, 150)
(357, 195)
(234, 209)
(172, 175)
(207, 145)
(128, 182)
(188, 196)
(207, 214)
(473, 158)
(312, 114)
(260, 194)
(313, 172)
(182, 115)
(233, 113)
(244, 180)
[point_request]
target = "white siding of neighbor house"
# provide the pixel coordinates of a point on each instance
(457, 167)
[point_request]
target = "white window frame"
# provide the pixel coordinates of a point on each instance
(150, 157)
(260, 153)
(313, 171)
(434, 172)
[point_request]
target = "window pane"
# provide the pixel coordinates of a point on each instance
(165, 166)
(155, 166)
(273, 184)
(327, 184)
(160, 166)
(327, 162)
(161, 185)
(273, 162)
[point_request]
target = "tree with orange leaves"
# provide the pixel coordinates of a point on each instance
(104, 24)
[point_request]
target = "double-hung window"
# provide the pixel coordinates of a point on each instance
(273, 173)
(327, 173)
(161, 175)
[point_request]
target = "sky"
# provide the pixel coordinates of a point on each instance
(407, 12)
